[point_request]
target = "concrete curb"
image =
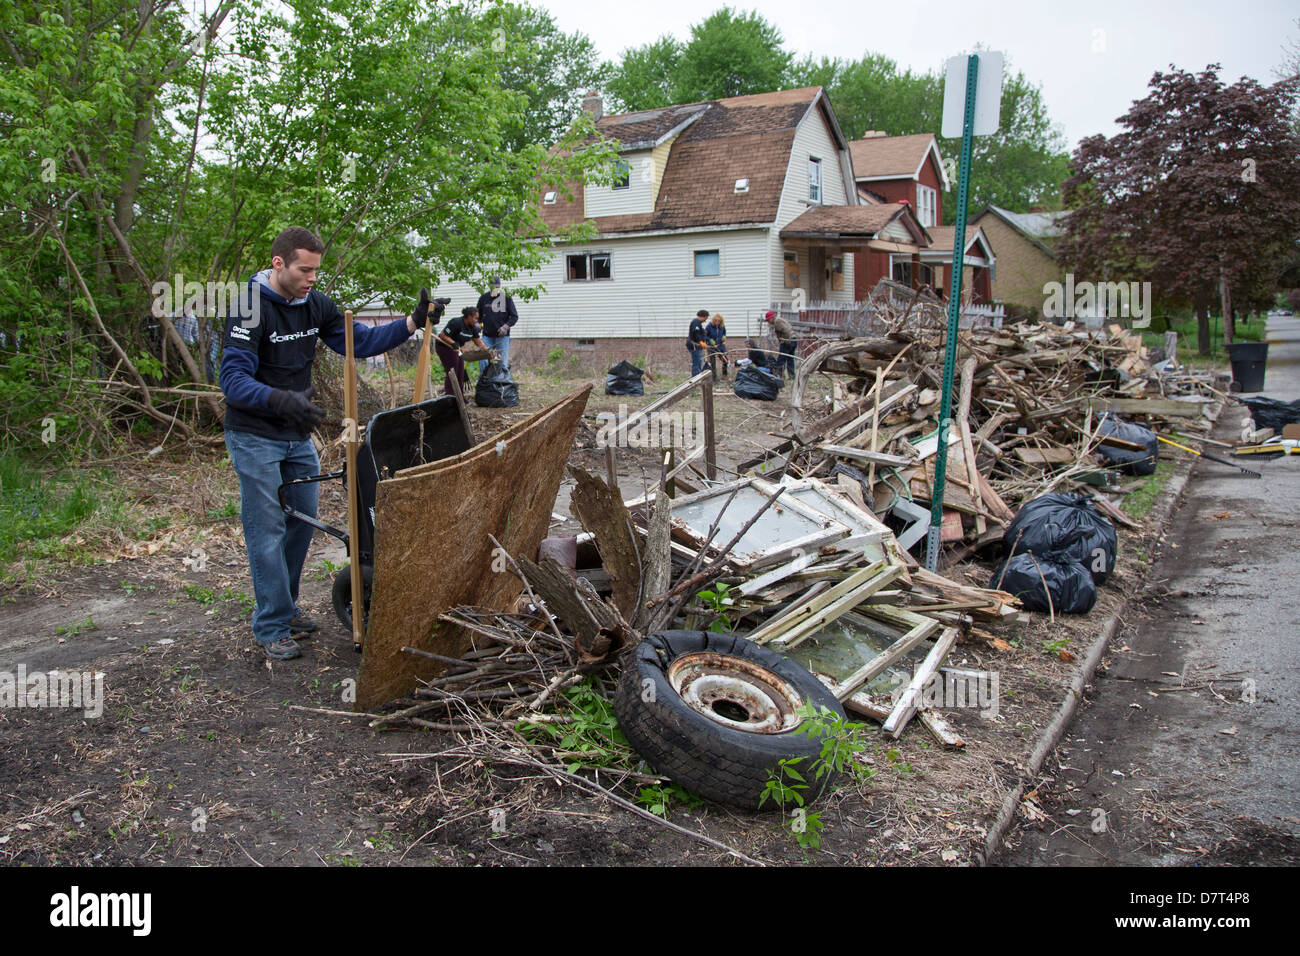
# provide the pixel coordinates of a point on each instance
(1051, 736)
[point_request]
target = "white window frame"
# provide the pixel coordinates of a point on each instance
(927, 204)
(695, 263)
(816, 189)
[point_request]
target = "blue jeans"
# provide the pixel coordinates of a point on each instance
(502, 344)
(277, 544)
(697, 360)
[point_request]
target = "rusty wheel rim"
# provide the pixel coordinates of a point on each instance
(736, 693)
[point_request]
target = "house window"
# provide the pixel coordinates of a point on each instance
(926, 205)
(902, 271)
(814, 179)
(588, 266)
(622, 175)
(837, 273)
(549, 198)
(708, 262)
(585, 343)
(742, 185)
(791, 270)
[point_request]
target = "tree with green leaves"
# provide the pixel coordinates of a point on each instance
(139, 144)
(1199, 193)
(645, 78)
(731, 54)
(728, 54)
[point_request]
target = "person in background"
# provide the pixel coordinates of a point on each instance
(266, 378)
(757, 357)
(498, 315)
(786, 343)
(453, 337)
(695, 341)
(715, 336)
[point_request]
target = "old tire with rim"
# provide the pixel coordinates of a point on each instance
(717, 713)
(341, 594)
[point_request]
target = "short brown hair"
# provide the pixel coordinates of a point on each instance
(288, 243)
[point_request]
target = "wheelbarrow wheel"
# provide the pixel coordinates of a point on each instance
(341, 594)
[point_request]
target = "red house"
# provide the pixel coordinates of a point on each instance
(909, 169)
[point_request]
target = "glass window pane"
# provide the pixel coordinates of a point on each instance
(577, 267)
(708, 263)
(601, 267)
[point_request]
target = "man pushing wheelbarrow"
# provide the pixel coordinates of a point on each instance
(270, 345)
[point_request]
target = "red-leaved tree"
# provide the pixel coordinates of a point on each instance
(1199, 194)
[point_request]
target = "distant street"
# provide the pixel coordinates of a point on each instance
(1188, 747)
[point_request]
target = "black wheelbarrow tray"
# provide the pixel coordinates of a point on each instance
(394, 439)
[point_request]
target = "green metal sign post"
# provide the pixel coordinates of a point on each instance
(954, 315)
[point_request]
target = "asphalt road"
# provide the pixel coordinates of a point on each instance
(1187, 749)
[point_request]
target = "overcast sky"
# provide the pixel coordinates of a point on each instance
(1092, 59)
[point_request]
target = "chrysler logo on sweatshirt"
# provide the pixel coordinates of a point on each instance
(277, 337)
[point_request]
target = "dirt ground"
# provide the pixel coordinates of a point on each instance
(203, 753)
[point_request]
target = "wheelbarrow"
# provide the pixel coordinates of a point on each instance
(395, 439)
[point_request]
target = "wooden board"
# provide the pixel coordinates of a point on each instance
(1045, 456)
(432, 551)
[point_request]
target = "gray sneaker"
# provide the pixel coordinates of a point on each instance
(285, 649)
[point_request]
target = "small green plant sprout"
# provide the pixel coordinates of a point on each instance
(717, 600)
(842, 741)
(72, 630)
(1054, 646)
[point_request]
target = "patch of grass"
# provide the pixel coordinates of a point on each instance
(202, 595)
(72, 630)
(1138, 503)
(1184, 324)
(37, 510)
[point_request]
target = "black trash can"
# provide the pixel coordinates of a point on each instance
(1248, 360)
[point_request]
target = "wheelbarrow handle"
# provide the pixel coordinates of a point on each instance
(309, 519)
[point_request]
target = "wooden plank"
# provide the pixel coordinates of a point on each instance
(676, 395)
(836, 609)
(1160, 407)
(906, 707)
(940, 729)
(1044, 456)
(601, 511)
(710, 445)
(447, 550)
(801, 611)
(870, 457)
(352, 444)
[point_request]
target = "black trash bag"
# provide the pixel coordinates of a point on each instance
(1064, 528)
(496, 388)
(1070, 585)
(624, 379)
(1270, 413)
(1133, 462)
(754, 382)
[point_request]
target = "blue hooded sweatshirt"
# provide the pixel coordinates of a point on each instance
(270, 342)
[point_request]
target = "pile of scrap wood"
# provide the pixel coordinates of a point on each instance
(1027, 412)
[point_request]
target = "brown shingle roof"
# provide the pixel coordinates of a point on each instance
(742, 137)
(863, 221)
(888, 156)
